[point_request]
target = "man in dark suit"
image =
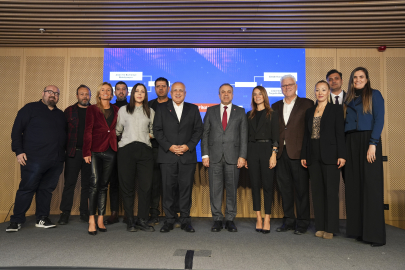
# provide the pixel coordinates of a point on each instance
(224, 151)
(337, 95)
(177, 128)
(290, 174)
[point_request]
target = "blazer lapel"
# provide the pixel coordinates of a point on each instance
(295, 108)
(172, 111)
(232, 116)
(186, 108)
(217, 116)
(325, 114)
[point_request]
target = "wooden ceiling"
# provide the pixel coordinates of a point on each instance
(171, 23)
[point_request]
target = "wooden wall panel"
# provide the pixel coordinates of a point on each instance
(394, 63)
(11, 72)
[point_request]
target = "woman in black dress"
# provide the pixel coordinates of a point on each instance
(364, 169)
(324, 153)
(263, 137)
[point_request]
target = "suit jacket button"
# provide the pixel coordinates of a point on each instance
(108, 131)
(285, 128)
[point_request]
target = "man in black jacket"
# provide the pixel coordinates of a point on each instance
(76, 117)
(178, 129)
(38, 140)
(162, 89)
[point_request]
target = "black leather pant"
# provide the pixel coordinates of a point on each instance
(102, 166)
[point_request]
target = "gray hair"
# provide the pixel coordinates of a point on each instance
(224, 85)
(288, 76)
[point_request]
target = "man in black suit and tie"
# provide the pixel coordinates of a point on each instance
(177, 128)
(224, 151)
(337, 95)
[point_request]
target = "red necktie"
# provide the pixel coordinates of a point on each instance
(225, 118)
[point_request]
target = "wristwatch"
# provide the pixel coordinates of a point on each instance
(275, 150)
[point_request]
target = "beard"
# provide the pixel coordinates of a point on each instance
(51, 102)
(83, 102)
(122, 98)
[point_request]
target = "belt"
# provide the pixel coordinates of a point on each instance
(262, 141)
(78, 149)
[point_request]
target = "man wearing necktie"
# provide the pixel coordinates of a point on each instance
(337, 95)
(224, 150)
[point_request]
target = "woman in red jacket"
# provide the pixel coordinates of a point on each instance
(100, 149)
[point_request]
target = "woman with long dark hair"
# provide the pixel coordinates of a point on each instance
(99, 149)
(364, 168)
(324, 154)
(135, 156)
(263, 130)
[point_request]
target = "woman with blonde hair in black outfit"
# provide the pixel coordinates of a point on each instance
(263, 130)
(324, 154)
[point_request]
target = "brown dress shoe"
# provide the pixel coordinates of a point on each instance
(319, 234)
(327, 235)
(112, 219)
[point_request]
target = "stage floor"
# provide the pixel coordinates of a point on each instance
(70, 245)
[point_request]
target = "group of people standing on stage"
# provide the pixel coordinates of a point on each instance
(154, 144)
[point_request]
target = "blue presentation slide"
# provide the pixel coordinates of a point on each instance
(203, 70)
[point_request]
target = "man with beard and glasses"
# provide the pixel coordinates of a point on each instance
(121, 92)
(38, 139)
(74, 163)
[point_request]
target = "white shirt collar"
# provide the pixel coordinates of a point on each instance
(175, 105)
(292, 102)
(229, 106)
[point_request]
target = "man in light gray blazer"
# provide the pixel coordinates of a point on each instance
(224, 150)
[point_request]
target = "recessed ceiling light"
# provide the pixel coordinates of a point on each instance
(42, 30)
(243, 29)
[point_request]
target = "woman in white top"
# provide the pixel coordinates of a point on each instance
(135, 156)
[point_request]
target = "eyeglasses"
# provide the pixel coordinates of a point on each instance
(50, 92)
(288, 85)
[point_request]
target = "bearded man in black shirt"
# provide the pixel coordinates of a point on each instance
(74, 163)
(38, 139)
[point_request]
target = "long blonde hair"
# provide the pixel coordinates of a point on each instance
(98, 99)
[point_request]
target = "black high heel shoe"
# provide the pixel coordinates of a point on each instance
(93, 232)
(101, 229)
(265, 231)
(259, 230)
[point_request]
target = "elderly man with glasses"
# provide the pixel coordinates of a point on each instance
(38, 140)
(290, 174)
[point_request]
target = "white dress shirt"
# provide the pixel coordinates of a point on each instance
(334, 97)
(287, 108)
(178, 109)
(228, 111)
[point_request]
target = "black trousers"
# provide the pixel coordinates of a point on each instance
(260, 174)
(364, 189)
(325, 179)
(156, 186)
(292, 176)
(177, 176)
(74, 165)
(114, 191)
(39, 177)
(102, 166)
(135, 161)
